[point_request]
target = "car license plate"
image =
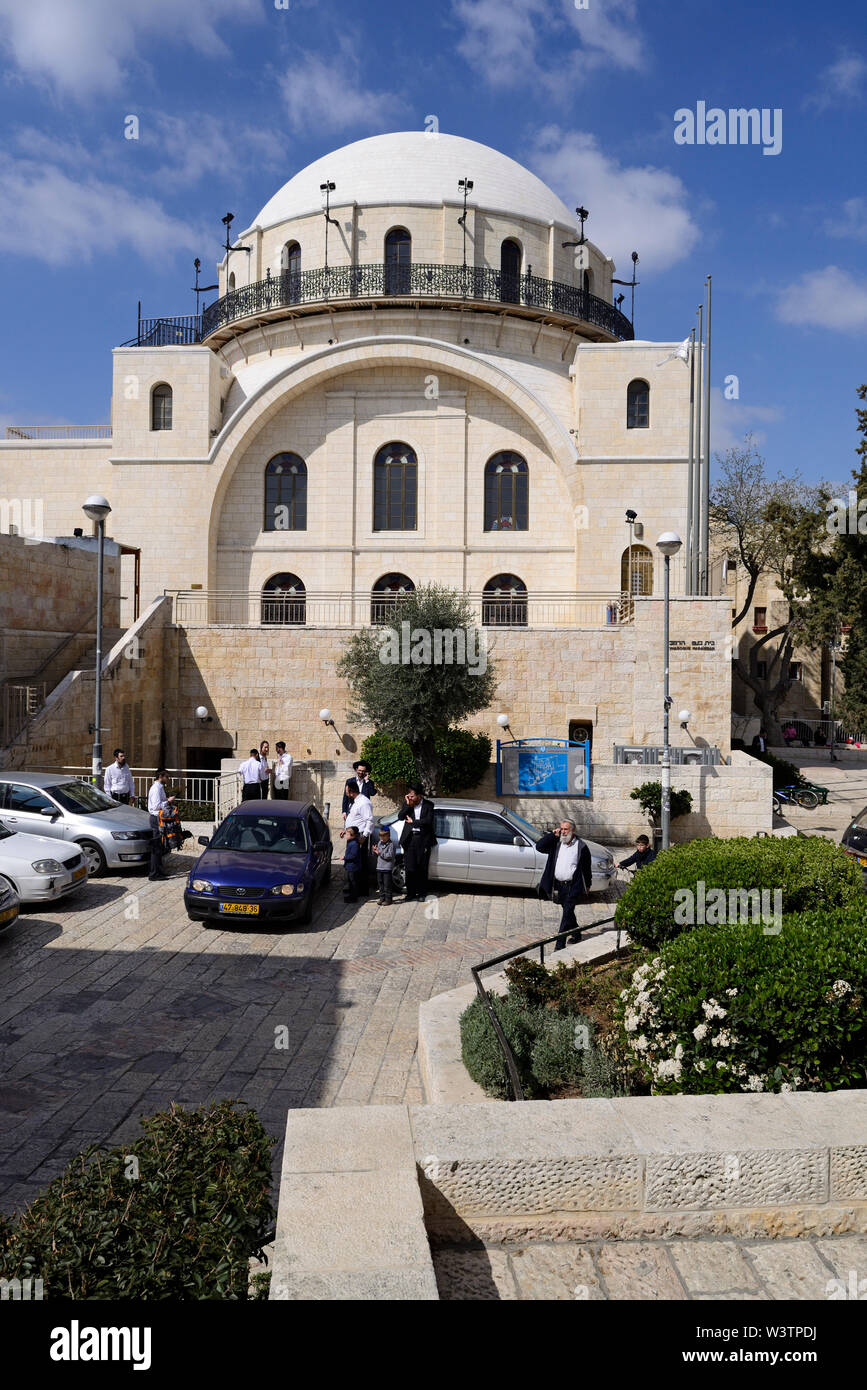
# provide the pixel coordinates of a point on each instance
(246, 909)
(79, 873)
(8, 914)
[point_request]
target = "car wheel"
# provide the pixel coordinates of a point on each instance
(93, 857)
(398, 878)
(307, 915)
(7, 883)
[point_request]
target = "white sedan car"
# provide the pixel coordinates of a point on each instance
(40, 869)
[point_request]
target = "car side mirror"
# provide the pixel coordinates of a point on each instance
(204, 840)
(519, 842)
(49, 811)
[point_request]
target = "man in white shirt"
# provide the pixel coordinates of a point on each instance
(567, 877)
(157, 798)
(118, 783)
(251, 777)
(282, 772)
(360, 814)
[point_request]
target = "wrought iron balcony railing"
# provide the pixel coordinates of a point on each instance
(462, 284)
(300, 608)
(179, 331)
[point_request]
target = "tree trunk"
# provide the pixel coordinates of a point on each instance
(427, 764)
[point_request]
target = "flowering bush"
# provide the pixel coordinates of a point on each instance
(743, 1011)
(807, 871)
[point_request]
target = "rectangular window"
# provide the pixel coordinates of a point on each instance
(762, 670)
(796, 670)
(760, 620)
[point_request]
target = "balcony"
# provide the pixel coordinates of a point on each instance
(317, 609)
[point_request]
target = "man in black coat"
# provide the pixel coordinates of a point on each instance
(365, 786)
(567, 877)
(417, 839)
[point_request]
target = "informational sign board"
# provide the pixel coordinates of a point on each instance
(543, 767)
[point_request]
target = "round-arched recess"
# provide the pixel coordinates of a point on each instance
(284, 601)
(504, 602)
(510, 272)
(398, 261)
(507, 492)
(636, 572)
(386, 595)
(395, 488)
(285, 493)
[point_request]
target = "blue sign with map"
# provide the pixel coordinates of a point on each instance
(543, 767)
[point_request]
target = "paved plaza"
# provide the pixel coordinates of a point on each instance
(113, 1004)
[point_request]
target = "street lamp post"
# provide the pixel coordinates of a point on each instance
(630, 521)
(669, 544)
(96, 508)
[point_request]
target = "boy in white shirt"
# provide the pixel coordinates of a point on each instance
(282, 772)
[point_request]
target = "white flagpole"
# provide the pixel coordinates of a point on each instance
(690, 485)
(705, 481)
(696, 527)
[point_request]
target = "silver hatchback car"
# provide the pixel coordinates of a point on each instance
(47, 803)
(485, 842)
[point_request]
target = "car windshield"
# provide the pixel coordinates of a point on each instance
(262, 834)
(522, 824)
(81, 797)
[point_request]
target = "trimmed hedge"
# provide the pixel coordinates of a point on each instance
(722, 1011)
(183, 1227)
(810, 872)
(464, 759)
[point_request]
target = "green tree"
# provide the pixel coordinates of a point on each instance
(402, 682)
(772, 525)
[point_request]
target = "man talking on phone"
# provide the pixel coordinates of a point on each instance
(567, 877)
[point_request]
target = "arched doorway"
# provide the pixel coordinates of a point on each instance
(510, 272)
(284, 601)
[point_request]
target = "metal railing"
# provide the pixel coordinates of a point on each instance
(809, 730)
(258, 608)
(167, 331)
(197, 785)
(19, 703)
(475, 971)
(467, 284)
(58, 431)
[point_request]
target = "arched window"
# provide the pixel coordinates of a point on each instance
(638, 405)
(398, 261)
(386, 595)
(161, 407)
(231, 282)
(286, 493)
(284, 601)
(587, 282)
(290, 266)
(636, 576)
(510, 272)
(395, 488)
(507, 482)
(504, 602)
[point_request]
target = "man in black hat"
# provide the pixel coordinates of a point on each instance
(363, 782)
(417, 839)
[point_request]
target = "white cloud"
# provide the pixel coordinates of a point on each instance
(549, 46)
(731, 421)
(57, 219)
(828, 298)
(635, 207)
(197, 146)
(841, 83)
(83, 48)
(850, 222)
(328, 94)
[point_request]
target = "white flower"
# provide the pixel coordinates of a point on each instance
(731, 993)
(841, 988)
(700, 1032)
(712, 1009)
(678, 1052)
(786, 1087)
(640, 1043)
(720, 1066)
(701, 1066)
(722, 1039)
(672, 1068)
(756, 1083)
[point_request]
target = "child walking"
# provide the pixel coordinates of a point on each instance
(352, 865)
(385, 853)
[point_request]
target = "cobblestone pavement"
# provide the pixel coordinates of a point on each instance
(114, 1004)
(749, 1270)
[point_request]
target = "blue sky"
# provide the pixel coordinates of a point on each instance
(233, 97)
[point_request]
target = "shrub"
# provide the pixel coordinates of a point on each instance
(808, 871)
(649, 797)
(785, 773)
(558, 1049)
(196, 811)
(739, 1010)
(184, 1227)
(464, 758)
(480, 1047)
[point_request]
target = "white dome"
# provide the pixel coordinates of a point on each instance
(413, 167)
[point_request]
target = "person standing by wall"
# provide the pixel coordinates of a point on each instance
(264, 769)
(352, 865)
(118, 783)
(360, 818)
(386, 853)
(251, 779)
(362, 781)
(282, 772)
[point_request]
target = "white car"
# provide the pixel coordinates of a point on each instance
(484, 842)
(39, 868)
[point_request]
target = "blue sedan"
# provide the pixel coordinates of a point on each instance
(266, 861)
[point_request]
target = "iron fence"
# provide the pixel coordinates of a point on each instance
(195, 785)
(58, 431)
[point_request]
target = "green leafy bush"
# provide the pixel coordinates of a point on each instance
(464, 758)
(649, 797)
(196, 811)
(807, 870)
(785, 773)
(480, 1047)
(184, 1226)
(740, 1010)
(558, 1048)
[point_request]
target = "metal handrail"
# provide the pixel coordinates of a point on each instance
(325, 285)
(58, 431)
(508, 1055)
